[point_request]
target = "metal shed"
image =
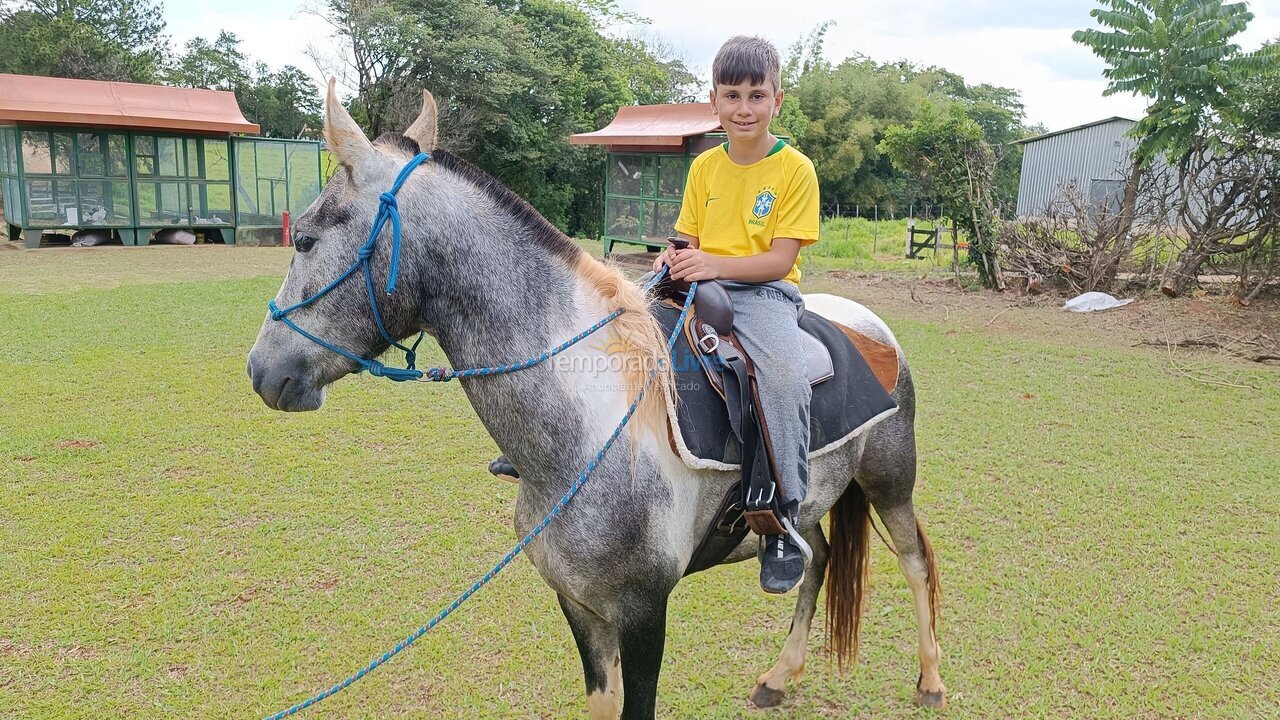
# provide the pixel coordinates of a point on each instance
(1094, 157)
(649, 151)
(131, 159)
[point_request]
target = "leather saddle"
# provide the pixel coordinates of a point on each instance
(717, 421)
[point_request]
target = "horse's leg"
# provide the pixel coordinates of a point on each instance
(916, 558)
(642, 633)
(601, 664)
(771, 686)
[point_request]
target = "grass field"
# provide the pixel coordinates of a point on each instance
(1107, 529)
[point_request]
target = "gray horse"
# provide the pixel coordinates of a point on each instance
(494, 282)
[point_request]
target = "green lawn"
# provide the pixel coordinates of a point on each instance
(1107, 529)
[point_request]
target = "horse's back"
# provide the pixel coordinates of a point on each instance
(853, 315)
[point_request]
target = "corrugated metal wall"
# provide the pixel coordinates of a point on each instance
(1100, 152)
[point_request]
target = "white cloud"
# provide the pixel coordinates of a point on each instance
(1021, 44)
(1025, 45)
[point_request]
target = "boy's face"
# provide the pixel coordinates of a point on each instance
(746, 109)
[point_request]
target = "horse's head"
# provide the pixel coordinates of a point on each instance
(290, 371)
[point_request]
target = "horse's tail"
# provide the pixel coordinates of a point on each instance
(931, 566)
(848, 570)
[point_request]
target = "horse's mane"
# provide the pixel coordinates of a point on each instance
(537, 228)
(636, 333)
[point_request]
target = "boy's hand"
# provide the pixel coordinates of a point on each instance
(661, 259)
(692, 265)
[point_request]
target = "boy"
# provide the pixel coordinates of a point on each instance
(749, 206)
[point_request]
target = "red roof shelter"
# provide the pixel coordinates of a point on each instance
(123, 162)
(63, 101)
(649, 150)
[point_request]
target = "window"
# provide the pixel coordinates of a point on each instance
(37, 155)
(92, 160)
(144, 155)
(63, 154)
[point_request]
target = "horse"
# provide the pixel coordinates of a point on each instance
(492, 280)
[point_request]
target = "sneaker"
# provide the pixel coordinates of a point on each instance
(502, 468)
(782, 564)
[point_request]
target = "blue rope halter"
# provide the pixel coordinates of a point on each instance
(388, 209)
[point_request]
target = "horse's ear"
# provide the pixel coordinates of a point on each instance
(423, 130)
(345, 138)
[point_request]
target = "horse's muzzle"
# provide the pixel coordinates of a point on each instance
(284, 385)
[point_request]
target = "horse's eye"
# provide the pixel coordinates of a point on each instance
(304, 243)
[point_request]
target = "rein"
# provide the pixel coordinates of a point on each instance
(388, 209)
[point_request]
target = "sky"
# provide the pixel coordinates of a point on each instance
(1021, 44)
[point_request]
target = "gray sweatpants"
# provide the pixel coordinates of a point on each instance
(765, 317)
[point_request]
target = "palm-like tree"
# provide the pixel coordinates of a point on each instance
(1179, 54)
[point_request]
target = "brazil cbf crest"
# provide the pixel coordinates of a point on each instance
(764, 203)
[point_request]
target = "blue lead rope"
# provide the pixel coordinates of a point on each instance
(520, 546)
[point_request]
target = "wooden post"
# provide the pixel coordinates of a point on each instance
(955, 252)
(911, 226)
(875, 232)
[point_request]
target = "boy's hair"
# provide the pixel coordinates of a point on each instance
(747, 59)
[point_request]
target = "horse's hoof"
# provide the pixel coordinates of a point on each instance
(766, 697)
(936, 699)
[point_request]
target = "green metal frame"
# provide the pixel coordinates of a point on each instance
(610, 238)
(288, 175)
(651, 176)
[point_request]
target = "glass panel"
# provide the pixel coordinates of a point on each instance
(91, 161)
(211, 203)
(36, 155)
(53, 202)
(169, 162)
(195, 162)
(63, 155)
(624, 174)
(670, 177)
(144, 151)
(117, 156)
(624, 218)
(13, 151)
(7, 192)
(217, 160)
(660, 221)
(650, 177)
(6, 139)
(304, 177)
(246, 183)
(103, 202)
(162, 203)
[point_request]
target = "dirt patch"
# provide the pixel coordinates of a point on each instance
(1210, 323)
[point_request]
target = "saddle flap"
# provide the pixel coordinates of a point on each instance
(817, 359)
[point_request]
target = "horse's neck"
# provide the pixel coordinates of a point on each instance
(547, 417)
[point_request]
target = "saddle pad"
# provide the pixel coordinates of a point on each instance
(841, 408)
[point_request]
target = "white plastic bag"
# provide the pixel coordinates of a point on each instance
(1090, 301)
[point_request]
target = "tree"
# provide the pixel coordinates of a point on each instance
(1179, 54)
(513, 81)
(947, 153)
(848, 108)
(285, 103)
(219, 65)
(90, 39)
(282, 103)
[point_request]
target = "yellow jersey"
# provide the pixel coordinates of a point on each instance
(737, 210)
